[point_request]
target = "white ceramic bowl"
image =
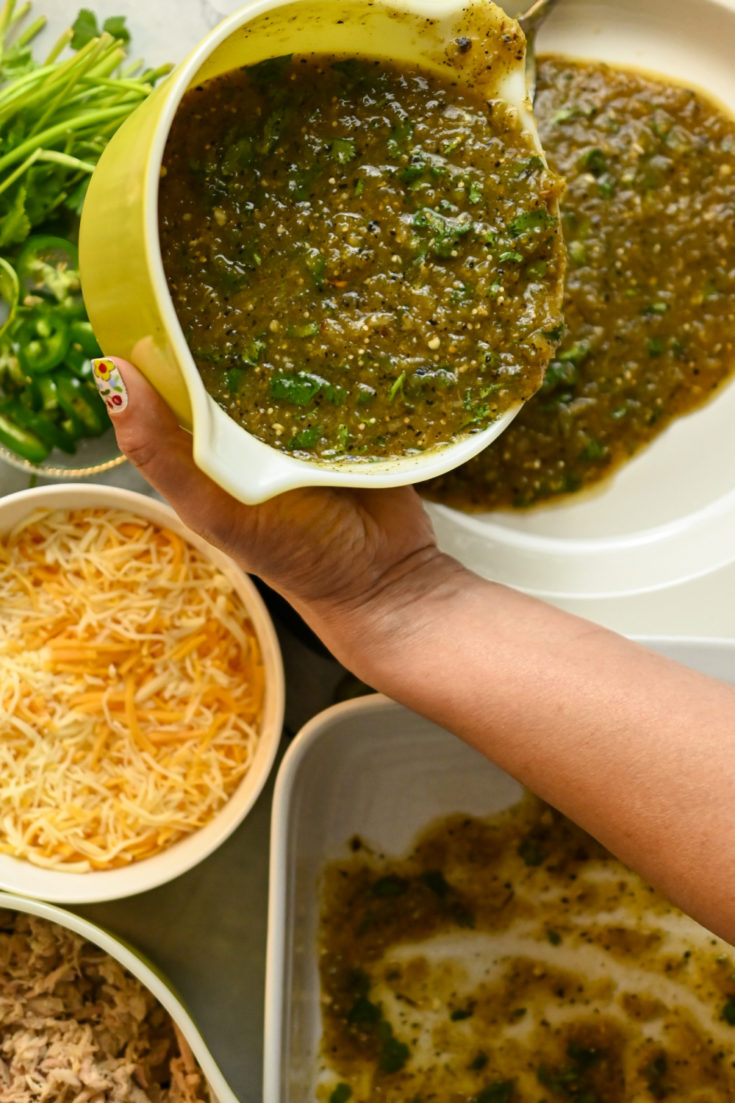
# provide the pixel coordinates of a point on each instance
(144, 971)
(669, 514)
(17, 875)
(370, 768)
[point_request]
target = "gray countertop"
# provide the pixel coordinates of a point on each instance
(207, 929)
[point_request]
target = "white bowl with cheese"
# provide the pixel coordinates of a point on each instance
(128, 753)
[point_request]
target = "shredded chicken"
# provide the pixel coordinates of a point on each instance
(76, 1027)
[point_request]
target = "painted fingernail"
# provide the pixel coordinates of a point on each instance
(110, 384)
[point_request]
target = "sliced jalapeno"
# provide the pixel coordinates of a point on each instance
(82, 334)
(77, 362)
(81, 402)
(42, 338)
(48, 263)
(47, 393)
(9, 294)
(42, 426)
(22, 442)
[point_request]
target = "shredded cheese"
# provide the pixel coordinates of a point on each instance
(131, 689)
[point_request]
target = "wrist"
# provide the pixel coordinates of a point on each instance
(382, 632)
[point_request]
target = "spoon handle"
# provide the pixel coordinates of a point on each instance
(530, 22)
(533, 17)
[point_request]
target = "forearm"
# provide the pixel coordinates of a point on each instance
(637, 749)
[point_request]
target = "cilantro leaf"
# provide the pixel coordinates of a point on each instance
(75, 198)
(14, 222)
(17, 60)
(341, 1093)
(265, 71)
(305, 438)
(343, 150)
(116, 26)
(298, 388)
(85, 28)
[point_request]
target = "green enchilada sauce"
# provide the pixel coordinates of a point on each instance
(510, 959)
(365, 260)
(649, 220)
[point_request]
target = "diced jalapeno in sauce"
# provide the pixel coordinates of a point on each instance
(649, 222)
(366, 261)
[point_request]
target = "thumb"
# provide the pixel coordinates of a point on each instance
(149, 435)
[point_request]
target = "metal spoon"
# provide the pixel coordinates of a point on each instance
(530, 22)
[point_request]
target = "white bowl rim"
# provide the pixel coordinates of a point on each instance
(59, 886)
(137, 964)
(635, 563)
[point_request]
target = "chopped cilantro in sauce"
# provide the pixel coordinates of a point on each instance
(366, 261)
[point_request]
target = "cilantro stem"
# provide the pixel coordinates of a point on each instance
(46, 78)
(24, 91)
(5, 19)
(21, 13)
(16, 88)
(30, 32)
(19, 171)
(73, 76)
(8, 20)
(131, 70)
(81, 122)
(61, 43)
(121, 83)
(107, 64)
(397, 386)
(50, 155)
(150, 76)
(60, 112)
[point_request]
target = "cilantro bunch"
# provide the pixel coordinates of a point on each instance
(57, 114)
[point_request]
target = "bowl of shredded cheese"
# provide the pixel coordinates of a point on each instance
(141, 694)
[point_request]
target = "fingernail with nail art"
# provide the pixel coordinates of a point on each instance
(110, 384)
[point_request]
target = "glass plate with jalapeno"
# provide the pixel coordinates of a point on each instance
(52, 420)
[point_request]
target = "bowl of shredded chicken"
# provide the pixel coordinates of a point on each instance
(84, 1018)
(141, 694)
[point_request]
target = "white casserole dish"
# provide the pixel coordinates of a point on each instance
(373, 768)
